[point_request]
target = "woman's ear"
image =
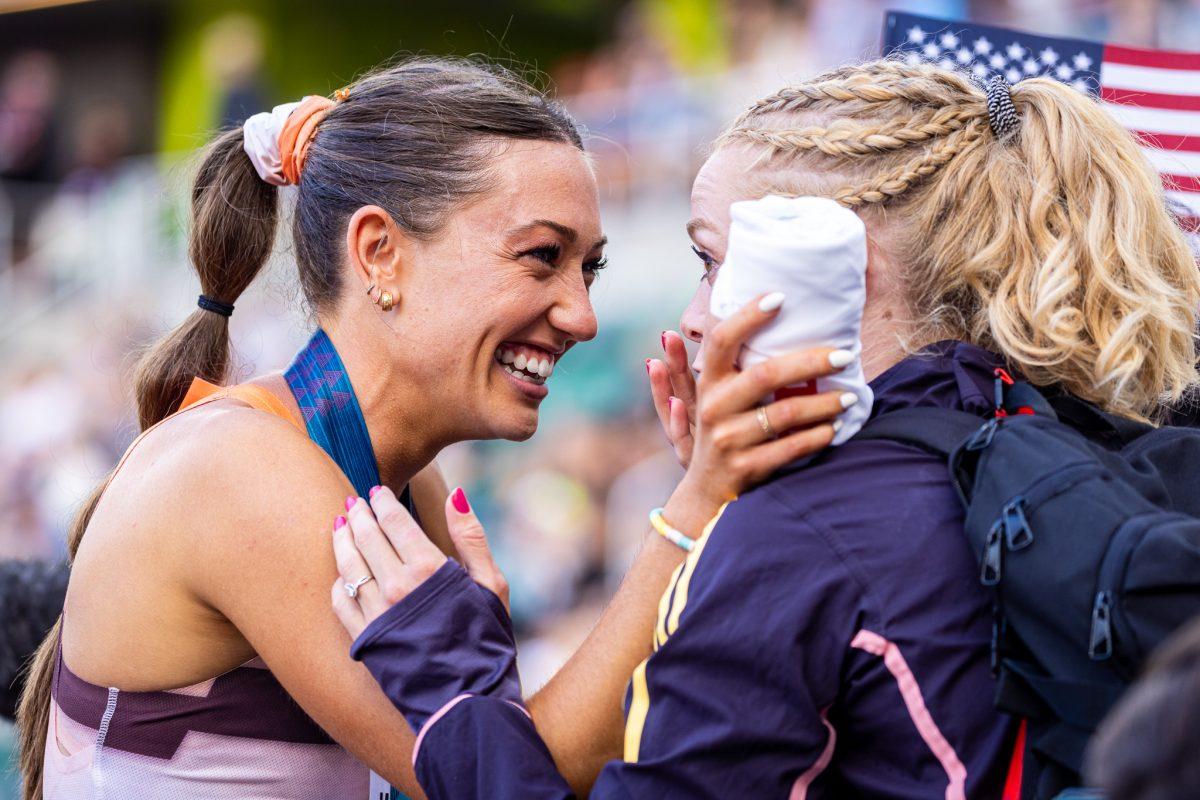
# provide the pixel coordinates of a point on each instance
(378, 250)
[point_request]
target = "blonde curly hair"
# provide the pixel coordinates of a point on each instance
(1052, 245)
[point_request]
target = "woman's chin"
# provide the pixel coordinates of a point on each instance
(514, 422)
(519, 424)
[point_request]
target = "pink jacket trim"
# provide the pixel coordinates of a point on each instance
(441, 712)
(800, 787)
(909, 690)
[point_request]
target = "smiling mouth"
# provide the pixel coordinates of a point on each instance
(525, 362)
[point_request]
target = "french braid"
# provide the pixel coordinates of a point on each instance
(1051, 244)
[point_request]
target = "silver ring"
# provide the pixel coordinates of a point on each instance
(352, 588)
(765, 423)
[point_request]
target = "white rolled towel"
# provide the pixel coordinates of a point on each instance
(815, 252)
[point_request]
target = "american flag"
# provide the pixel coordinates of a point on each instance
(1155, 94)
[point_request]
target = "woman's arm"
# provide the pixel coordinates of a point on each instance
(579, 713)
(263, 561)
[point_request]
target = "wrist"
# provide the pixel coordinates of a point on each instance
(690, 508)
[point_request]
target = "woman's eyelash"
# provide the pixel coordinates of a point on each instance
(709, 261)
(597, 265)
(710, 264)
(548, 253)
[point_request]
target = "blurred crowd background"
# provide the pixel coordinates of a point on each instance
(103, 105)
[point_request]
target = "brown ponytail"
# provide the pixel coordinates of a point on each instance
(233, 229)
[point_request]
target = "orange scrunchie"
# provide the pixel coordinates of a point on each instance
(298, 132)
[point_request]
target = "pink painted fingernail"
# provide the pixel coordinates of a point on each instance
(350, 501)
(671, 402)
(374, 490)
(648, 366)
(339, 522)
(663, 339)
(459, 500)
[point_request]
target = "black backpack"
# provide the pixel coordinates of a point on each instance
(1086, 527)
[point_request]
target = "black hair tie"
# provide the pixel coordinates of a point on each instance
(215, 306)
(1002, 114)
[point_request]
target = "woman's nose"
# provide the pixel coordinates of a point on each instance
(695, 319)
(573, 314)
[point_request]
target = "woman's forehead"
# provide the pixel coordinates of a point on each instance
(541, 181)
(720, 182)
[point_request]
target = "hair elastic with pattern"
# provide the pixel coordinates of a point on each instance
(675, 537)
(1002, 113)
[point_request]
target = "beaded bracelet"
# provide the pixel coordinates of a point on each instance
(675, 537)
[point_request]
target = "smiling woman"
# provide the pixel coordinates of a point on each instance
(170, 672)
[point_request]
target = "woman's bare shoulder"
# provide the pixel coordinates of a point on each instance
(224, 470)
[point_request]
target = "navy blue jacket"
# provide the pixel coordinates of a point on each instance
(827, 638)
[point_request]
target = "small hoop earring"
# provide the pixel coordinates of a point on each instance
(386, 301)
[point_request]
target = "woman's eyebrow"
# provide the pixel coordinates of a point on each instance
(568, 233)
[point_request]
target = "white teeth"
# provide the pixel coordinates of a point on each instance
(524, 376)
(535, 368)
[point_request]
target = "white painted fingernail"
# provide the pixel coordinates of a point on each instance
(848, 399)
(837, 425)
(840, 358)
(771, 302)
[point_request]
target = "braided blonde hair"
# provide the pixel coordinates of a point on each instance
(1052, 246)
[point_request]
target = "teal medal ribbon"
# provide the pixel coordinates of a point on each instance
(334, 420)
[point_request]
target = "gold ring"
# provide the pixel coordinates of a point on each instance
(765, 423)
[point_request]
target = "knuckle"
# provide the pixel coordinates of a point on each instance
(393, 591)
(707, 414)
(723, 438)
(473, 533)
(765, 375)
(363, 534)
(784, 416)
(393, 519)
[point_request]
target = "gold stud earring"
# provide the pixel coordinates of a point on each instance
(386, 301)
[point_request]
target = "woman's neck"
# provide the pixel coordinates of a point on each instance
(395, 409)
(881, 342)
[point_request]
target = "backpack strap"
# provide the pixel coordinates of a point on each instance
(935, 430)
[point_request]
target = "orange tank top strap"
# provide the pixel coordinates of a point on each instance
(202, 392)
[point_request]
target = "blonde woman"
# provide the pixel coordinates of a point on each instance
(828, 636)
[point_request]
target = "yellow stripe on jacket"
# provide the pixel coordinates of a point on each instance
(670, 607)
